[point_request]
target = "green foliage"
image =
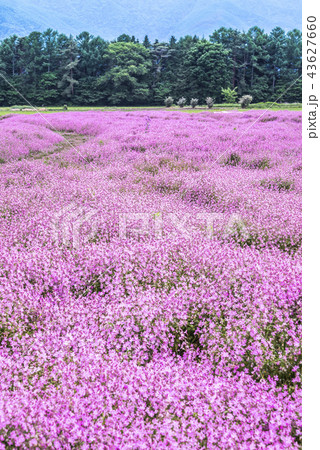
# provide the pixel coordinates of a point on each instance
(278, 184)
(48, 89)
(233, 160)
(125, 38)
(146, 42)
(125, 81)
(89, 92)
(207, 70)
(69, 63)
(260, 163)
(229, 95)
(52, 68)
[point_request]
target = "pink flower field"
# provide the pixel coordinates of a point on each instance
(150, 280)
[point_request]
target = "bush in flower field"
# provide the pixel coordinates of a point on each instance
(245, 101)
(194, 102)
(181, 102)
(229, 95)
(209, 102)
(178, 329)
(168, 102)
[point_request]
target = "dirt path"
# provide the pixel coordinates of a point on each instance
(71, 140)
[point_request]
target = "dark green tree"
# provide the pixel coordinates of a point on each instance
(146, 42)
(257, 78)
(208, 70)
(50, 49)
(125, 81)
(9, 54)
(234, 41)
(69, 58)
(124, 38)
(276, 62)
(292, 70)
(50, 67)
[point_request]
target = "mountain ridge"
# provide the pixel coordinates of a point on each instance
(159, 19)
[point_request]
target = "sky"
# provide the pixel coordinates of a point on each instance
(157, 18)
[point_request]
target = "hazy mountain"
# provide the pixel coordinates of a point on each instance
(157, 18)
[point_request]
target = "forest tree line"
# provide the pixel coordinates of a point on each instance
(50, 68)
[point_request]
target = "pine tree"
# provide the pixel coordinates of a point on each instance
(69, 63)
(146, 42)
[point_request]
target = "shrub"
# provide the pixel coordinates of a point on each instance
(209, 102)
(278, 184)
(262, 163)
(181, 102)
(268, 119)
(229, 95)
(151, 168)
(168, 102)
(168, 187)
(194, 102)
(233, 159)
(245, 101)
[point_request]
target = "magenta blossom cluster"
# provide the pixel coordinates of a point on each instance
(114, 335)
(20, 139)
